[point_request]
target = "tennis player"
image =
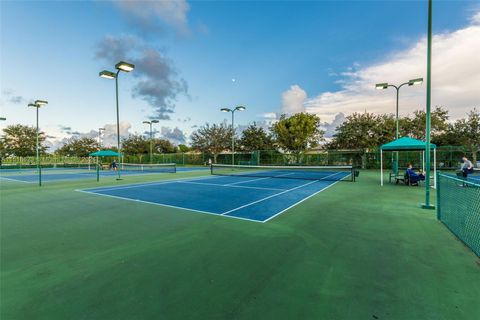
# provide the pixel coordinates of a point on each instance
(114, 165)
(467, 167)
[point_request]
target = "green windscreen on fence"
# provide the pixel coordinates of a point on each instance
(458, 207)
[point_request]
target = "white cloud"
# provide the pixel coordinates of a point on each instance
(147, 14)
(455, 79)
(293, 100)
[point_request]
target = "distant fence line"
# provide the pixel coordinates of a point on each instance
(447, 158)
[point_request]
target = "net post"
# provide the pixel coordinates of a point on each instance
(174, 168)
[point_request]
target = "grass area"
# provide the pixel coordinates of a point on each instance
(354, 251)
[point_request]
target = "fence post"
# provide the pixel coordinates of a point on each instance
(439, 208)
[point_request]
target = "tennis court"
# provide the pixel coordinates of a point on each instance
(30, 175)
(250, 193)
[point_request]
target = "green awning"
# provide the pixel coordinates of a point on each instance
(405, 144)
(104, 153)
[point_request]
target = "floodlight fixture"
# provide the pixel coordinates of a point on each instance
(124, 66)
(240, 108)
(381, 86)
(415, 82)
(107, 74)
(225, 110)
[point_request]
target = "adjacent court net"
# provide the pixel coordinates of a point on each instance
(153, 168)
(327, 173)
(458, 207)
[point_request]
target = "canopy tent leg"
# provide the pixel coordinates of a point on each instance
(381, 167)
(423, 161)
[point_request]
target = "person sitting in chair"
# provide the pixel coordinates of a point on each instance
(467, 167)
(414, 177)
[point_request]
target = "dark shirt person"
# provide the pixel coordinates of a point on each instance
(413, 176)
(114, 165)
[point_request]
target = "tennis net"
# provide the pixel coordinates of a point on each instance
(149, 168)
(327, 173)
(458, 207)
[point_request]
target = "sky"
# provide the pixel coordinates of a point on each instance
(194, 57)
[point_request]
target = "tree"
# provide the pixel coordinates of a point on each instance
(298, 132)
(183, 148)
(163, 146)
(255, 138)
(212, 138)
(20, 141)
(79, 147)
(415, 126)
(468, 132)
(363, 131)
(136, 145)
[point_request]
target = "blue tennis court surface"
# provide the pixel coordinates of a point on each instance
(254, 199)
(59, 174)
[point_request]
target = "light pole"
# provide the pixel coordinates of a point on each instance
(151, 136)
(125, 67)
(381, 86)
(427, 204)
(37, 105)
(239, 108)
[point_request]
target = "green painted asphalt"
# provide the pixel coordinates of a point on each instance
(353, 251)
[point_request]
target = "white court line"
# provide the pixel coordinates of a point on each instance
(298, 202)
(257, 179)
(229, 186)
(277, 194)
(153, 183)
(16, 180)
(165, 205)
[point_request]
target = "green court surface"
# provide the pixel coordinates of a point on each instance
(352, 251)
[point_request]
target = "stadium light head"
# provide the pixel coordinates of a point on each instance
(155, 121)
(225, 110)
(125, 66)
(101, 129)
(107, 74)
(415, 82)
(41, 102)
(240, 108)
(381, 86)
(3, 119)
(146, 122)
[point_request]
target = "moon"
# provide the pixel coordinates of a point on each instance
(233, 80)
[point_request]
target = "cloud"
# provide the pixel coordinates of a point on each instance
(155, 16)
(158, 82)
(293, 100)
(61, 134)
(175, 135)
(13, 98)
(455, 78)
(330, 127)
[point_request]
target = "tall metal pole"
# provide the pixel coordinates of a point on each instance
(397, 130)
(427, 204)
(38, 157)
(118, 125)
(233, 137)
(151, 143)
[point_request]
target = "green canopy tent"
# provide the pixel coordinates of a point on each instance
(104, 153)
(409, 144)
